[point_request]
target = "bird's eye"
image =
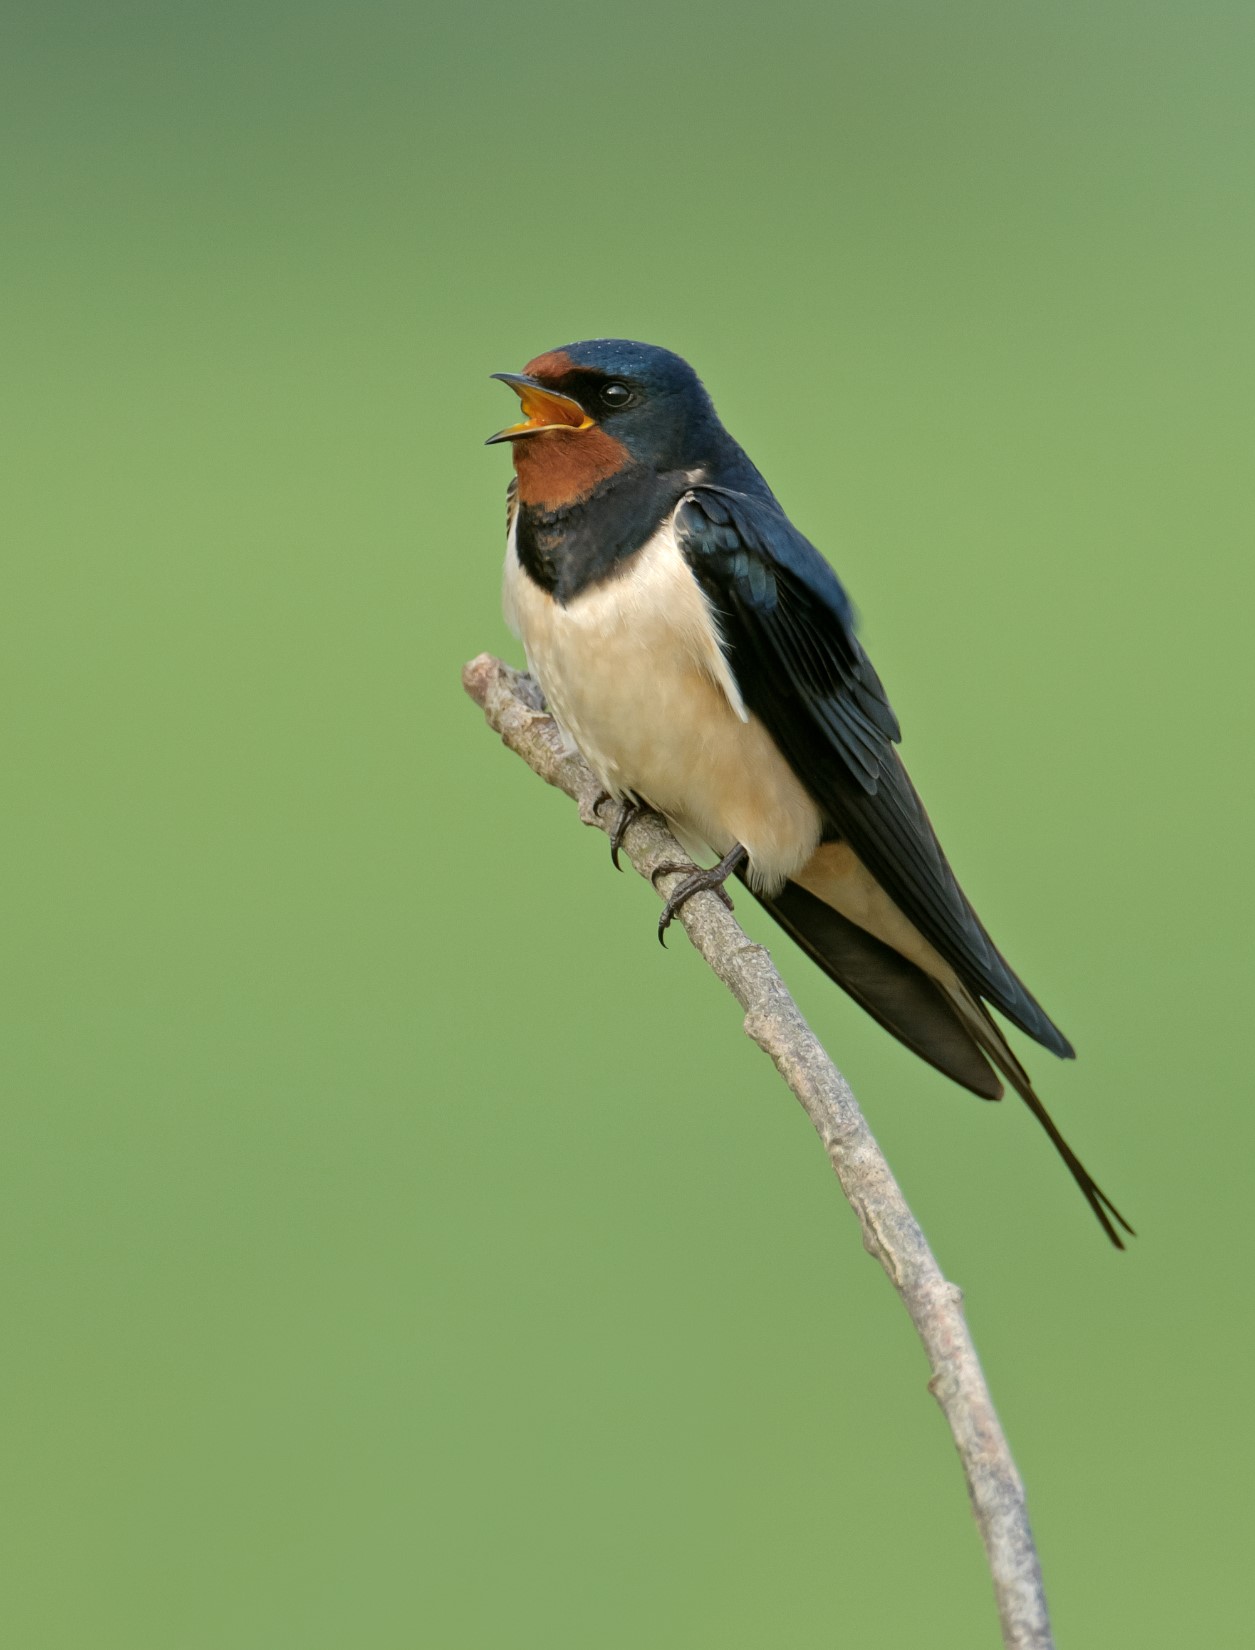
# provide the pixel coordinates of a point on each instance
(616, 395)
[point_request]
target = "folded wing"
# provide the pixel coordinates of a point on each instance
(787, 629)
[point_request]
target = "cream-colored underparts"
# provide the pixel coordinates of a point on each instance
(633, 671)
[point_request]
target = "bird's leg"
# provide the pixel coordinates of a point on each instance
(628, 810)
(697, 882)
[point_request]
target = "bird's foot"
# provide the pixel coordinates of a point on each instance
(628, 811)
(697, 882)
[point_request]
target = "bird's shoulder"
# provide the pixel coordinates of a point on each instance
(788, 623)
(746, 539)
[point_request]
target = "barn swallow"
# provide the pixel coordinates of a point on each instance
(701, 654)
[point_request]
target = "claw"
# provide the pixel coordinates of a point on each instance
(697, 881)
(627, 813)
(628, 810)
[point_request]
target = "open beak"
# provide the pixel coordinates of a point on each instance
(542, 410)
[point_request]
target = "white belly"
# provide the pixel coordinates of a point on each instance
(633, 672)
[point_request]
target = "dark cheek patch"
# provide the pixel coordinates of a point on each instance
(560, 468)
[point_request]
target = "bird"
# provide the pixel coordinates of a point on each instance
(701, 655)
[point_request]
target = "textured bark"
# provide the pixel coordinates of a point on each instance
(512, 706)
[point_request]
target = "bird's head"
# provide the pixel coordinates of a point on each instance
(597, 408)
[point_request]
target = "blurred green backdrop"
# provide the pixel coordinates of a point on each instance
(398, 1248)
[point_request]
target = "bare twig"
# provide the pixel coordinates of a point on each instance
(512, 706)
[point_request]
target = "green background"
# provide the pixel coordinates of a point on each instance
(396, 1247)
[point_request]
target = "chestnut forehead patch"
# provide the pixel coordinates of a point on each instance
(555, 363)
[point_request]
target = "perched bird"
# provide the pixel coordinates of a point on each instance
(701, 655)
